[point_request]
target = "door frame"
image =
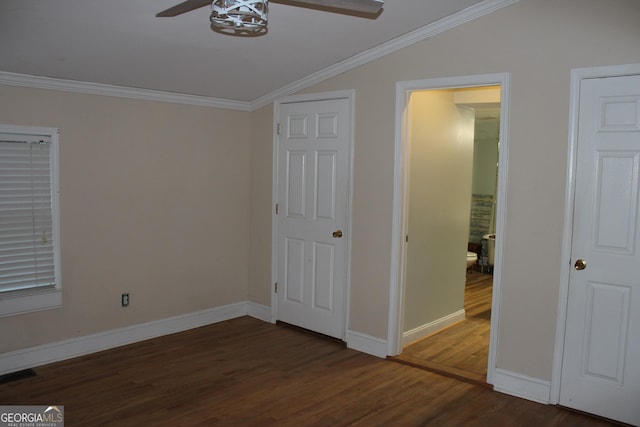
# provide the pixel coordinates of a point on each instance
(577, 75)
(323, 96)
(400, 200)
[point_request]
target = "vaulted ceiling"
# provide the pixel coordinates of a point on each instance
(123, 43)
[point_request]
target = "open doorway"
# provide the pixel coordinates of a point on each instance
(450, 221)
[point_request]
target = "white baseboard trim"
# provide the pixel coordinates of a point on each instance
(261, 312)
(427, 329)
(523, 386)
(74, 347)
(366, 344)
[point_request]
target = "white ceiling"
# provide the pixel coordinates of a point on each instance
(122, 43)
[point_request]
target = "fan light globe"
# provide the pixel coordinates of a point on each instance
(248, 16)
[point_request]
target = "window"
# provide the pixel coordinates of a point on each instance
(29, 218)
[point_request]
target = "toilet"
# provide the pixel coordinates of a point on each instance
(472, 257)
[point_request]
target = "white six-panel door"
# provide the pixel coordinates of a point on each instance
(313, 190)
(601, 360)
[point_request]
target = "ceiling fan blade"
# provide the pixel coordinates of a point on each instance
(366, 7)
(186, 6)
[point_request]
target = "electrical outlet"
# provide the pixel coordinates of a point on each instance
(124, 300)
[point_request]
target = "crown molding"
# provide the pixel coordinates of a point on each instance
(444, 24)
(40, 82)
(472, 12)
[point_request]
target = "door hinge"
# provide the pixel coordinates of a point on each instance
(277, 208)
(278, 128)
(406, 238)
(276, 288)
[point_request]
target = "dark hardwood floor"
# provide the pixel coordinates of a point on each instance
(245, 372)
(462, 349)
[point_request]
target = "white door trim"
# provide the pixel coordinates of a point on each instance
(396, 296)
(577, 75)
(343, 94)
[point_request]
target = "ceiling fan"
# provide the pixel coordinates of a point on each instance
(249, 17)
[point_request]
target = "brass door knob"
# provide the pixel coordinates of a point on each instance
(337, 234)
(580, 264)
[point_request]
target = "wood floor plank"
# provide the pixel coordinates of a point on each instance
(245, 372)
(460, 350)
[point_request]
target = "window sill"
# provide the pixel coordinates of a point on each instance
(12, 303)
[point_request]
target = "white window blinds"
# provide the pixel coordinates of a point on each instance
(26, 242)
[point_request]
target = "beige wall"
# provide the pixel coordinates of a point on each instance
(261, 206)
(485, 156)
(537, 42)
(154, 201)
(440, 168)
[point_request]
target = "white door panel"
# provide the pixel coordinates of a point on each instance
(601, 361)
(313, 183)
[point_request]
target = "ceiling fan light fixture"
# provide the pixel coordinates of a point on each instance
(248, 16)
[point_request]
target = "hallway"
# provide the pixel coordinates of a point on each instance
(461, 350)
